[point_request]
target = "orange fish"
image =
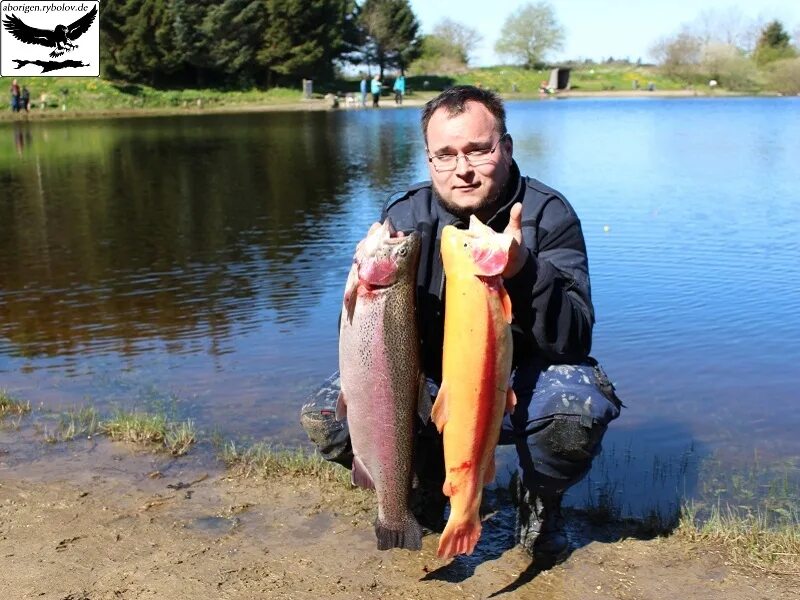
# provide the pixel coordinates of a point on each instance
(476, 367)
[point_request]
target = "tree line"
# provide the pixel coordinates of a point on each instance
(242, 43)
(252, 42)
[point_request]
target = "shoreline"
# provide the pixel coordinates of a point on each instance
(324, 105)
(131, 524)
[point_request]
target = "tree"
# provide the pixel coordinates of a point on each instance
(447, 49)
(773, 44)
(238, 27)
(392, 33)
(529, 33)
(456, 39)
(679, 55)
(304, 37)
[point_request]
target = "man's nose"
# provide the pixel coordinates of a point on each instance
(463, 165)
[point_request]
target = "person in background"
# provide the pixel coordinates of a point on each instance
(565, 401)
(375, 89)
(15, 96)
(363, 88)
(25, 99)
(399, 89)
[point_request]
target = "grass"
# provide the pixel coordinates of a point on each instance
(150, 429)
(78, 422)
(264, 460)
(753, 540)
(90, 94)
(9, 405)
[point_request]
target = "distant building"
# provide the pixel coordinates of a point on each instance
(559, 79)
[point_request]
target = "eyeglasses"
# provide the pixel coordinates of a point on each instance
(448, 162)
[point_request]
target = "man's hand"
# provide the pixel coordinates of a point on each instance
(517, 254)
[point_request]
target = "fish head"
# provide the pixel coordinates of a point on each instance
(386, 256)
(478, 251)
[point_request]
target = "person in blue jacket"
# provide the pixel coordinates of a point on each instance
(375, 90)
(565, 400)
(399, 89)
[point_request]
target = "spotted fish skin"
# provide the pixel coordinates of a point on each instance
(380, 377)
(476, 366)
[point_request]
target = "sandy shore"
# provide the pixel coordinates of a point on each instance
(86, 521)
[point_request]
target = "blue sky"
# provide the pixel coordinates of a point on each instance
(598, 29)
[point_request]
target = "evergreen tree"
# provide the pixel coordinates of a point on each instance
(773, 44)
(237, 28)
(392, 33)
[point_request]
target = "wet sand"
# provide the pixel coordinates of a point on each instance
(98, 520)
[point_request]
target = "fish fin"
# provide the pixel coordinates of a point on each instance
(351, 292)
(491, 471)
(439, 412)
(360, 476)
(341, 407)
(459, 537)
(505, 300)
(424, 404)
(448, 489)
(511, 400)
(410, 538)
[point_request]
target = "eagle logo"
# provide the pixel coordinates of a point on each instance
(61, 37)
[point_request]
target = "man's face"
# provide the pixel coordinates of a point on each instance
(468, 189)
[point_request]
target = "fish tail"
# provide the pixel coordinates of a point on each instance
(459, 537)
(408, 537)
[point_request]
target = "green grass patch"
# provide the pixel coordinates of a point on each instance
(78, 422)
(81, 94)
(10, 405)
(752, 539)
(264, 460)
(151, 429)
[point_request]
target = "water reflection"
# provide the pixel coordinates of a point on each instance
(176, 229)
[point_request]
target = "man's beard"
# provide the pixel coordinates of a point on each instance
(464, 213)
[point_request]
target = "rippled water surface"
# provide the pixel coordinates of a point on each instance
(198, 263)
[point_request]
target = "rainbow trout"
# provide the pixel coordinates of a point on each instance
(382, 387)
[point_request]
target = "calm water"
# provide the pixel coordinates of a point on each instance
(198, 264)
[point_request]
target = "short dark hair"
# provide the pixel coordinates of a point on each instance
(454, 101)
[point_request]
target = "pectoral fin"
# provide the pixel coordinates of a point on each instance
(505, 300)
(440, 412)
(341, 407)
(361, 476)
(351, 292)
(511, 400)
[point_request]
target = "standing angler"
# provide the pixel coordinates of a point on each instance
(380, 377)
(476, 367)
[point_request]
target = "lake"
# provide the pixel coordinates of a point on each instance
(196, 265)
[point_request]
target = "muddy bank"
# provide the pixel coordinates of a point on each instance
(101, 521)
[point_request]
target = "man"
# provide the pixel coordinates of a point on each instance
(564, 400)
(375, 89)
(399, 89)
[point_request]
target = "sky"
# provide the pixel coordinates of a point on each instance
(598, 29)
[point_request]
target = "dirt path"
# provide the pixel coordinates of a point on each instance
(134, 526)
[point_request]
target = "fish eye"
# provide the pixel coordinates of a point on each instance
(402, 251)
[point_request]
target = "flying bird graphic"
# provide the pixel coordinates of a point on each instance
(61, 37)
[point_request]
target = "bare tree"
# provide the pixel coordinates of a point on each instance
(459, 38)
(529, 33)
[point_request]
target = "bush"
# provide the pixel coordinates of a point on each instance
(729, 66)
(784, 76)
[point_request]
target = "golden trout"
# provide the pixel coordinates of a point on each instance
(380, 377)
(476, 367)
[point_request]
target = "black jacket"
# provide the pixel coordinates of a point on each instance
(550, 296)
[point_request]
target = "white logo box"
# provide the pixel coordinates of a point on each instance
(20, 59)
